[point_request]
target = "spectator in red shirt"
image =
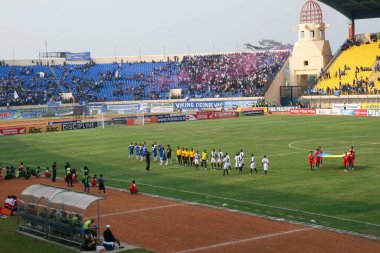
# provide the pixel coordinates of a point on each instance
(132, 188)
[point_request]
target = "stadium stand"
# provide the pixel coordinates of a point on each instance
(355, 70)
(201, 76)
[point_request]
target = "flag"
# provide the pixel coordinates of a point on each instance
(15, 95)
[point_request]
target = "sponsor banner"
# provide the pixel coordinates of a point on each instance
(303, 111)
(165, 119)
(281, 108)
(213, 115)
(234, 104)
(360, 113)
(191, 117)
(8, 114)
(347, 112)
(373, 113)
(253, 113)
(346, 106)
(336, 112)
(54, 104)
(160, 104)
(323, 111)
(161, 109)
(12, 130)
(250, 109)
(83, 56)
(78, 125)
(370, 106)
(131, 107)
(43, 129)
(198, 105)
(62, 122)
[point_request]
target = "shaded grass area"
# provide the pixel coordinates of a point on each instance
(13, 242)
(291, 191)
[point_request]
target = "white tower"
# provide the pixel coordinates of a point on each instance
(312, 51)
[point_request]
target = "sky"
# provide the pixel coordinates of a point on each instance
(154, 27)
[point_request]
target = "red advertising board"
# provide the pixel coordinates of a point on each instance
(360, 113)
(303, 111)
(12, 130)
(214, 115)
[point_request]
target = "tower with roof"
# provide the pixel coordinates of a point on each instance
(312, 52)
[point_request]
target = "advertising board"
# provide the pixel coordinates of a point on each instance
(347, 112)
(371, 106)
(373, 113)
(281, 108)
(323, 112)
(78, 125)
(303, 111)
(253, 113)
(346, 106)
(12, 130)
(43, 129)
(198, 105)
(360, 113)
(166, 119)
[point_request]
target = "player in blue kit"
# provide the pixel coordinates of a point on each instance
(154, 152)
(131, 149)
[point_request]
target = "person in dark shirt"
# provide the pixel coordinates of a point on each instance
(54, 168)
(101, 184)
(110, 239)
(169, 155)
(147, 159)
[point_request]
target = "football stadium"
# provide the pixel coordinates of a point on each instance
(270, 148)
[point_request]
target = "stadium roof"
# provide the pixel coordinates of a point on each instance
(356, 9)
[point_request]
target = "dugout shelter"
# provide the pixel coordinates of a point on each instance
(55, 213)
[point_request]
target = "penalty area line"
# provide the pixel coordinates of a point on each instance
(244, 240)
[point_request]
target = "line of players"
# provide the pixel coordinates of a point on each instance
(140, 152)
(192, 158)
(315, 161)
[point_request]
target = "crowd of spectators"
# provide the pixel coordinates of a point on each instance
(359, 85)
(220, 75)
(225, 75)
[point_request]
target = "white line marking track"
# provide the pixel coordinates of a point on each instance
(244, 240)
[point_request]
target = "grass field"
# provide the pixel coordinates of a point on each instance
(291, 191)
(13, 242)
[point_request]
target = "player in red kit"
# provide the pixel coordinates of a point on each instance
(317, 158)
(351, 159)
(321, 159)
(311, 160)
(345, 162)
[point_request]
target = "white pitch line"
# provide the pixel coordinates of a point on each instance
(244, 240)
(140, 210)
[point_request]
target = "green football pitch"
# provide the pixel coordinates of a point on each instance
(290, 191)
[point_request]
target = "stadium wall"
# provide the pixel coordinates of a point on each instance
(326, 102)
(273, 92)
(104, 60)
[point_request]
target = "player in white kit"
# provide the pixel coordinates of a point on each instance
(265, 163)
(253, 167)
(227, 164)
(197, 158)
(220, 159)
(213, 159)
